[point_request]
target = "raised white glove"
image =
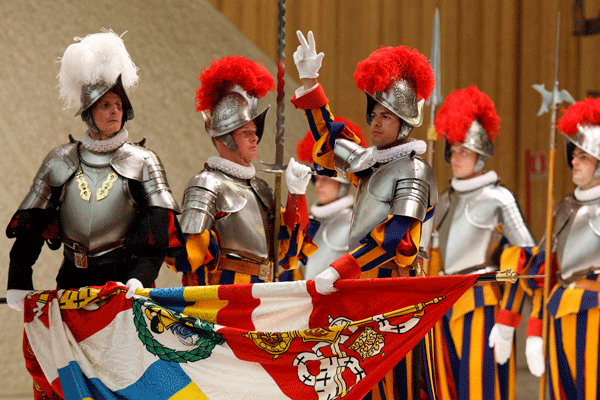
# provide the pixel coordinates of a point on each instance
(324, 281)
(133, 284)
(297, 177)
(534, 352)
(501, 340)
(15, 298)
(306, 58)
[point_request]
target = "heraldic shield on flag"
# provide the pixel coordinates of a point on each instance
(269, 340)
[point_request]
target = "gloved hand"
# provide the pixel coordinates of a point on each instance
(15, 298)
(306, 58)
(324, 281)
(297, 177)
(133, 284)
(534, 352)
(501, 340)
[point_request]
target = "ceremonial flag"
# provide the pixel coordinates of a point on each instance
(260, 341)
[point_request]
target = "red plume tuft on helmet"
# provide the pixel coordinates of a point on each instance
(304, 147)
(459, 111)
(252, 76)
(376, 72)
(585, 112)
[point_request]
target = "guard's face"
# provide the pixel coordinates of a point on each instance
(107, 114)
(385, 126)
(462, 161)
(584, 166)
(327, 189)
(247, 141)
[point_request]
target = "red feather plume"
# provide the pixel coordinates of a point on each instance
(376, 72)
(584, 112)
(305, 146)
(252, 76)
(459, 111)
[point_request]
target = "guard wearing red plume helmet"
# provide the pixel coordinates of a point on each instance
(396, 188)
(474, 219)
(573, 350)
(228, 212)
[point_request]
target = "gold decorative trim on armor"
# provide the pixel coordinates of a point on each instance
(102, 192)
(84, 190)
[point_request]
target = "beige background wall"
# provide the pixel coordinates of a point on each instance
(170, 41)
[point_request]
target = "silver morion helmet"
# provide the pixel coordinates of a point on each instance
(476, 139)
(235, 109)
(400, 99)
(587, 138)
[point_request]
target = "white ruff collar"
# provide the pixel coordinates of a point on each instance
(231, 168)
(588, 194)
(387, 155)
(465, 185)
(329, 210)
(104, 146)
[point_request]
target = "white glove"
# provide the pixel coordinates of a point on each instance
(534, 352)
(297, 177)
(306, 58)
(15, 298)
(133, 284)
(501, 340)
(324, 281)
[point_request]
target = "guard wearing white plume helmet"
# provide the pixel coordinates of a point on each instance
(108, 201)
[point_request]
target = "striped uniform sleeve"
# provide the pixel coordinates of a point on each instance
(517, 259)
(324, 130)
(200, 249)
(296, 233)
(397, 238)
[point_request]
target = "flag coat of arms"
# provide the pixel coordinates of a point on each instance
(258, 341)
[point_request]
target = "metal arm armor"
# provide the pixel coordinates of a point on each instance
(143, 165)
(58, 166)
(513, 225)
(206, 194)
(415, 186)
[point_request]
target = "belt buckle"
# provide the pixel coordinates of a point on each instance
(81, 259)
(264, 272)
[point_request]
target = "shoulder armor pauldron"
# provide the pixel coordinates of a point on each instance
(130, 160)
(229, 198)
(138, 163)
(59, 164)
(408, 183)
(56, 169)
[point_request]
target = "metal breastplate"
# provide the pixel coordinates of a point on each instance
(377, 191)
(332, 240)
(96, 208)
(578, 239)
(468, 234)
(245, 232)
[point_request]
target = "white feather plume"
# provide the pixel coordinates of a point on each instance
(95, 58)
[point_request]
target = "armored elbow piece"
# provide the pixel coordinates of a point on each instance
(352, 157)
(208, 193)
